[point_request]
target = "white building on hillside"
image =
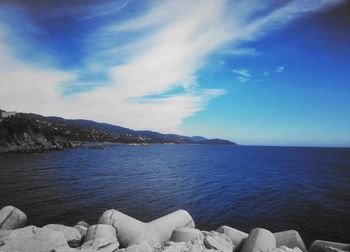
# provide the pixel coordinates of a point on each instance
(5, 114)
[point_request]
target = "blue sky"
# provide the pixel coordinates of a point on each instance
(259, 72)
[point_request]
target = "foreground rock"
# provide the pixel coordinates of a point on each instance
(218, 241)
(34, 239)
(185, 234)
(285, 249)
(290, 239)
(206, 242)
(328, 246)
(259, 239)
(195, 245)
(132, 231)
(101, 245)
(237, 237)
(12, 218)
(82, 227)
(174, 232)
(101, 238)
(140, 247)
(72, 235)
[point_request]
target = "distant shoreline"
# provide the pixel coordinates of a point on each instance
(22, 132)
(87, 145)
(104, 145)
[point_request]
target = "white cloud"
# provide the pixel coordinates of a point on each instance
(242, 72)
(242, 79)
(170, 44)
(105, 9)
(279, 69)
(243, 52)
(279, 17)
(243, 75)
(165, 65)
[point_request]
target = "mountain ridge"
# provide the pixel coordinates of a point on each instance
(32, 132)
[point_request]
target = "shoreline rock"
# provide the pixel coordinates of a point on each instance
(12, 218)
(117, 232)
(72, 235)
(131, 231)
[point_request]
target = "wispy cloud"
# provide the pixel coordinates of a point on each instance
(105, 9)
(242, 72)
(279, 69)
(143, 57)
(243, 52)
(280, 16)
(242, 75)
(242, 79)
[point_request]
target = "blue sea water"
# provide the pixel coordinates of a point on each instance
(278, 188)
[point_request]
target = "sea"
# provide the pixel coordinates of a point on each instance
(277, 188)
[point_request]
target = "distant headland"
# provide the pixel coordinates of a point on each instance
(28, 132)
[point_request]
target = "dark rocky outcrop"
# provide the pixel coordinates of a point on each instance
(22, 133)
(29, 141)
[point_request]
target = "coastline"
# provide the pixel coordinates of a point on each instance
(35, 133)
(79, 144)
(72, 145)
(38, 149)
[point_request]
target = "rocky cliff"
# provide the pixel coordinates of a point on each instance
(23, 134)
(29, 141)
(26, 133)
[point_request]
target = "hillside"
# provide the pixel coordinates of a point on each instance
(32, 132)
